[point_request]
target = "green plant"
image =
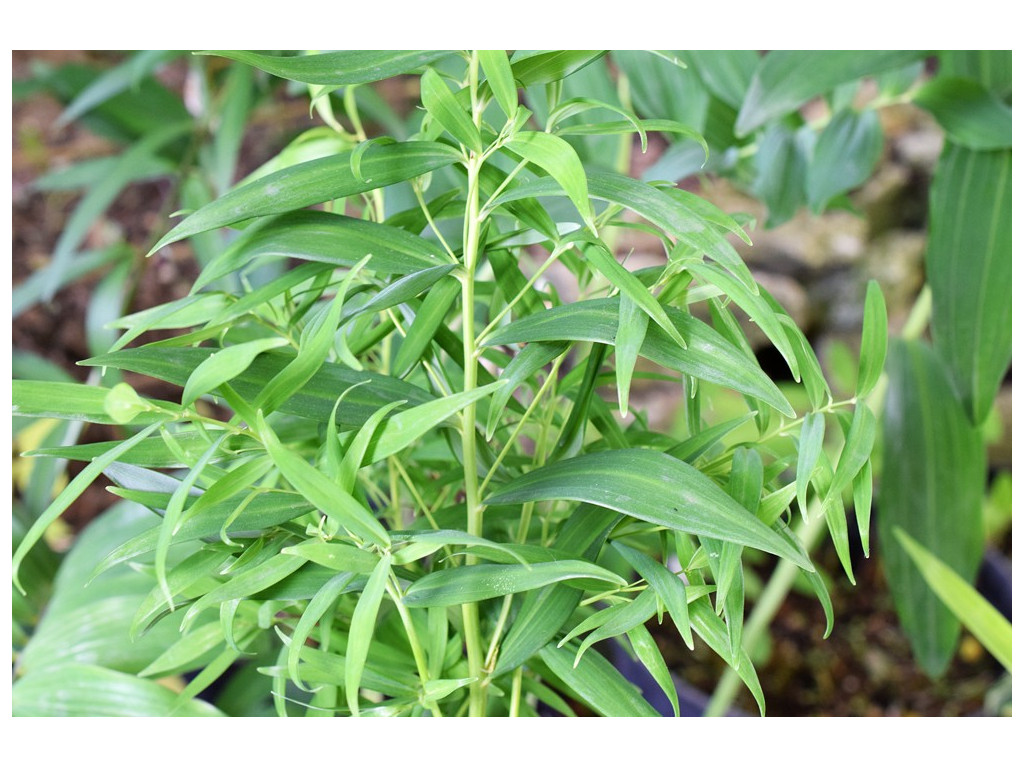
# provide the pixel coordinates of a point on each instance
(396, 486)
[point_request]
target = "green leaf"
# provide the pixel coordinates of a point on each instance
(781, 172)
(727, 74)
(646, 649)
(874, 340)
(334, 555)
(812, 437)
(83, 690)
(315, 400)
(862, 492)
(432, 312)
(224, 365)
(315, 610)
(667, 585)
(406, 427)
(662, 209)
(327, 238)
(981, 619)
(628, 338)
(472, 583)
(499, 76)
(751, 302)
(338, 67)
(968, 263)
(442, 105)
(845, 155)
(560, 161)
(969, 113)
(315, 344)
(539, 67)
(312, 182)
(529, 360)
(364, 617)
(630, 285)
(71, 492)
(785, 80)
(650, 486)
(596, 683)
(932, 486)
(707, 355)
(323, 493)
(247, 583)
(623, 618)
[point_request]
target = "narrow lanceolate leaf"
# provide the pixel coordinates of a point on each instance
(862, 493)
(628, 338)
(978, 615)
(630, 285)
(970, 114)
(224, 365)
(969, 271)
(245, 584)
(650, 486)
(317, 607)
(812, 437)
(667, 585)
(713, 631)
(550, 66)
(596, 683)
(626, 617)
(558, 158)
(784, 80)
(403, 429)
(931, 486)
(334, 555)
(657, 206)
(646, 649)
(312, 182)
(73, 490)
(314, 346)
(472, 583)
(759, 310)
(364, 619)
(315, 400)
(874, 340)
(323, 493)
(442, 105)
(523, 366)
(707, 355)
(859, 442)
(432, 313)
(845, 155)
(327, 238)
(498, 72)
(337, 67)
(79, 402)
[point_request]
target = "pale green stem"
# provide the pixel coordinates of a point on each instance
(768, 604)
(414, 642)
(474, 512)
(517, 692)
(920, 315)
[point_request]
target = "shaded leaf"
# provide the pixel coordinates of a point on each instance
(969, 113)
(337, 67)
(845, 155)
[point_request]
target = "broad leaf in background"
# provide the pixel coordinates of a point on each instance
(978, 615)
(336, 68)
(844, 156)
(969, 271)
(971, 116)
(932, 485)
(785, 80)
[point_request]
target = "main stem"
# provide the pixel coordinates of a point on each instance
(474, 512)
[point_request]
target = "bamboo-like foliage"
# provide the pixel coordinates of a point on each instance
(416, 497)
